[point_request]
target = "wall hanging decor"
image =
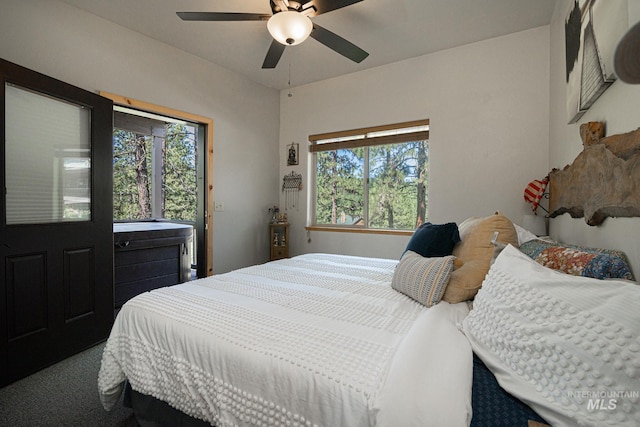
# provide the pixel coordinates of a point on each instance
(625, 60)
(603, 179)
(535, 191)
(291, 186)
(292, 154)
(592, 30)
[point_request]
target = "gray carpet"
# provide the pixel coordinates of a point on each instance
(65, 394)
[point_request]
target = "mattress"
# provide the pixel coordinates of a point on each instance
(318, 339)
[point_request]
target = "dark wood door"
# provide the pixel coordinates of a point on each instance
(56, 240)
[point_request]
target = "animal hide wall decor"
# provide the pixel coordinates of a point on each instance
(603, 181)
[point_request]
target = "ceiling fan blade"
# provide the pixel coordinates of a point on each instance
(337, 43)
(222, 16)
(279, 6)
(316, 7)
(273, 55)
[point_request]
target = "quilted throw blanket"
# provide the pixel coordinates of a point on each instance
(314, 340)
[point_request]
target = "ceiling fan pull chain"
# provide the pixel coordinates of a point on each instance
(289, 83)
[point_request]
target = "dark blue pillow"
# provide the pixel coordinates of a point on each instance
(434, 240)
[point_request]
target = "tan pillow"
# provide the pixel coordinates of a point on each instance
(476, 251)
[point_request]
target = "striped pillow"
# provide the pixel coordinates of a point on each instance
(422, 279)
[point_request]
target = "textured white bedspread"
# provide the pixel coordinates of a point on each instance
(314, 340)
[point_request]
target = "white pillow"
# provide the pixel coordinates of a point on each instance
(524, 235)
(422, 279)
(567, 346)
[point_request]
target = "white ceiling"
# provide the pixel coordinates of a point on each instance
(390, 30)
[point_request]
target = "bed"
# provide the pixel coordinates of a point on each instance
(315, 340)
(332, 340)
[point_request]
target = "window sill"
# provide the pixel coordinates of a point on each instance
(360, 230)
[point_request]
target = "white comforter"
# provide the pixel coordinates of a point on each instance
(314, 340)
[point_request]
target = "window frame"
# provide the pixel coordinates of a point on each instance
(357, 138)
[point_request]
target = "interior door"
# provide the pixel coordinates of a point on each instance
(56, 238)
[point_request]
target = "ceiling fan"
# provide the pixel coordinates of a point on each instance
(290, 25)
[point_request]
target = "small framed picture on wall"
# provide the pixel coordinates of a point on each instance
(292, 156)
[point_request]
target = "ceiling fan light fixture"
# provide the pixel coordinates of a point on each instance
(289, 28)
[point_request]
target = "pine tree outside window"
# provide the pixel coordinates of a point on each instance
(373, 178)
(154, 167)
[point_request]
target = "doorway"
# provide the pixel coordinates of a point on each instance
(163, 171)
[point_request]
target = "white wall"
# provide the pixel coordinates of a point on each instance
(488, 106)
(618, 107)
(66, 43)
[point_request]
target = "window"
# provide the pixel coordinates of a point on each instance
(373, 178)
(48, 158)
